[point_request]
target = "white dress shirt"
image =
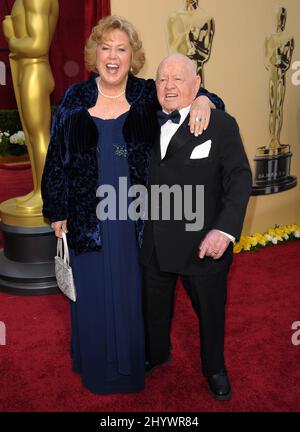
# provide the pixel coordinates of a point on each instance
(166, 133)
(169, 129)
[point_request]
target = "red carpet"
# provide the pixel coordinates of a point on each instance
(263, 302)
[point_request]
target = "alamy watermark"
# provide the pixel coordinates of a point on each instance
(296, 74)
(296, 334)
(2, 333)
(166, 203)
(2, 73)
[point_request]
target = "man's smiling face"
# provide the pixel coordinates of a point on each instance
(177, 83)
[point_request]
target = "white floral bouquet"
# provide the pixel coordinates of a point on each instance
(12, 144)
(18, 138)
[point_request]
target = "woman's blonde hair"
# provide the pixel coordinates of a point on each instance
(100, 33)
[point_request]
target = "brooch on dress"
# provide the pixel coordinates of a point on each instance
(120, 150)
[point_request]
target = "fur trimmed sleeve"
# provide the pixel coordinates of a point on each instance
(54, 181)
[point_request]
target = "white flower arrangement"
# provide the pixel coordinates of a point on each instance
(3, 134)
(17, 138)
(12, 144)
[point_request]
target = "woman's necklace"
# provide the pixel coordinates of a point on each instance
(107, 96)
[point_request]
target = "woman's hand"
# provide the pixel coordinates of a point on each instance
(200, 115)
(58, 227)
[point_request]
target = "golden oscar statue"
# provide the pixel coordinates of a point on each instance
(272, 162)
(279, 51)
(29, 31)
(191, 32)
(27, 259)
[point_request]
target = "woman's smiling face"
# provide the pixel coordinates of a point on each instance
(114, 56)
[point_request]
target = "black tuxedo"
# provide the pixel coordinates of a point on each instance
(226, 177)
(169, 250)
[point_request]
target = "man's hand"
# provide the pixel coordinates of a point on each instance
(200, 115)
(58, 227)
(213, 245)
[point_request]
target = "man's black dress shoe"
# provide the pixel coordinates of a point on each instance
(149, 366)
(219, 386)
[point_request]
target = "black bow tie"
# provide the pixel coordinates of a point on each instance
(163, 117)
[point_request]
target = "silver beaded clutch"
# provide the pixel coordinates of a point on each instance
(63, 271)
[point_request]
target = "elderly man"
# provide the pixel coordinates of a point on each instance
(200, 255)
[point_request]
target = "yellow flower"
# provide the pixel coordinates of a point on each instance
(237, 248)
(274, 235)
(279, 232)
(292, 228)
(259, 236)
(243, 241)
(253, 241)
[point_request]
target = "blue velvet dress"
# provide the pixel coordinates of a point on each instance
(107, 344)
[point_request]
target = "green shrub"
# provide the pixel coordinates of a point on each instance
(10, 121)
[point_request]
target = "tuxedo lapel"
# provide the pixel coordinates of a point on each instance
(179, 139)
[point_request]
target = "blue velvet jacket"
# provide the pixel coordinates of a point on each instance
(70, 177)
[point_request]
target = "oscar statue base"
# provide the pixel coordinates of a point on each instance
(27, 260)
(272, 171)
